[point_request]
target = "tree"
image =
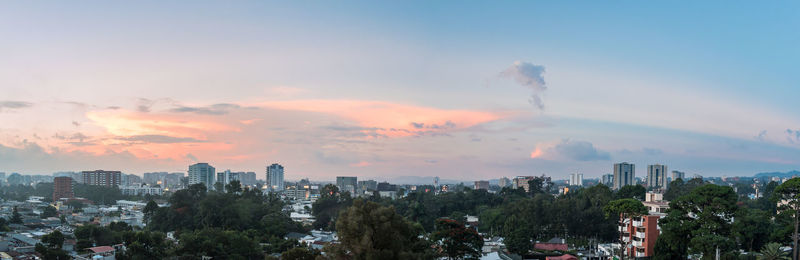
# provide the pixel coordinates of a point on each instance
(751, 228)
(328, 206)
(16, 218)
(772, 251)
(698, 223)
(631, 192)
(788, 195)
(624, 209)
(149, 210)
(300, 253)
(233, 187)
(51, 249)
(370, 231)
(456, 240)
(48, 212)
(516, 236)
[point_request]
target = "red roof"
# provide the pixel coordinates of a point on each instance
(563, 257)
(101, 249)
(550, 247)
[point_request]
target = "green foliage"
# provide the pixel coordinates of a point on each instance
(93, 235)
(51, 249)
(4, 225)
(300, 253)
(456, 240)
(698, 223)
(789, 193)
(328, 206)
(679, 188)
(625, 208)
(21, 192)
(517, 237)
(631, 192)
(16, 218)
(752, 228)
(772, 251)
(145, 245)
(217, 243)
(368, 230)
(48, 212)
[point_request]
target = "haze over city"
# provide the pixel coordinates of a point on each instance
(399, 89)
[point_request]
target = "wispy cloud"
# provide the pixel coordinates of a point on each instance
(11, 105)
(530, 76)
(570, 150)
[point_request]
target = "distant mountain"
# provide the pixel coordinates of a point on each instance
(777, 174)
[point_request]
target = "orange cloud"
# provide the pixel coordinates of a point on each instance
(392, 119)
(360, 164)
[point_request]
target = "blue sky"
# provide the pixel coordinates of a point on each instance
(707, 88)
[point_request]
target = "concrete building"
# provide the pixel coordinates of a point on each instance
(608, 179)
(522, 182)
(624, 174)
(576, 179)
(275, 177)
(481, 185)
(678, 175)
(248, 178)
(641, 234)
(202, 173)
(140, 190)
(102, 178)
(368, 185)
(347, 183)
(62, 188)
(504, 182)
(657, 176)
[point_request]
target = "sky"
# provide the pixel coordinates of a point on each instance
(462, 90)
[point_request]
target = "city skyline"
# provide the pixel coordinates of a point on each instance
(392, 89)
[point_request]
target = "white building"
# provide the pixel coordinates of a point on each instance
(576, 179)
(140, 190)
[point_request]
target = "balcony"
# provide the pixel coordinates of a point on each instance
(637, 243)
(640, 235)
(640, 254)
(626, 239)
(623, 229)
(637, 224)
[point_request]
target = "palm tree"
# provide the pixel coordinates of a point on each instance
(772, 251)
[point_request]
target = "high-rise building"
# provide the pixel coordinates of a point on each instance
(657, 176)
(368, 185)
(624, 174)
(436, 182)
(62, 188)
(576, 179)
(504, 182)
(227, 177)
(608, 179)
(347, 183)
(275, 177)
(202, 173)
(482, 185)
(249, 178)
(524, 182)
(102, 178)
(678, 175)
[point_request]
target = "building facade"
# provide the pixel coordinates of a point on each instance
(504, 182)
(641, 234)
(62, 188)
(102, 178)
(523, 182)
(140, 190)
(202, 173)
(481, 185)
(576, 179)
(678, 175)
(275, 177)
(608, 179)
(657, 176)
(624, 174)
(347, 183)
